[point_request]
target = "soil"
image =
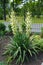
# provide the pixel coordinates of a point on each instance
(6, 40)
(3, 42)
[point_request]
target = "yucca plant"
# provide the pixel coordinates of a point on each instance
(21, 46)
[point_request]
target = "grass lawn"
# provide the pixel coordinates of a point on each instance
(34, 20)
(37, 20)
(2, 21)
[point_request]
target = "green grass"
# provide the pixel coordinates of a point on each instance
(34, 20)
(37, 20)
(2, 21)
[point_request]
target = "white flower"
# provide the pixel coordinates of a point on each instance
(28, 24)
(16, 23)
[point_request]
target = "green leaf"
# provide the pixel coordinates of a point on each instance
(18, 60)
(16, 52)
(9, 59)
(6, 52)
(23, 56)
(24, 46)
(34, 53)
(30, 52)
(35, 50)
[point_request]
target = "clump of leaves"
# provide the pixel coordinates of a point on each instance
(37, 40)
(20, 48)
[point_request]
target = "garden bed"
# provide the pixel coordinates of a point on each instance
(5, 40)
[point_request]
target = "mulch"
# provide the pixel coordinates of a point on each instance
(6, 40)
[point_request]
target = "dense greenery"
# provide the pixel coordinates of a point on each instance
(4, 8)
(37, 40)
(35, 7)
(22, 46)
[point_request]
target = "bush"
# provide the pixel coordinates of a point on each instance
(2, 29)
(41, 43)
(35, 37)
(37, 40)
(20, 48)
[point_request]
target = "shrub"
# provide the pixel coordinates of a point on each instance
(41, 43)
(2, 29)
(21, 46)
(35, 37)
(37, 40)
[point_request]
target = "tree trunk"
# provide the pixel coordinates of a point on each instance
(4, 7)
(24, 15)
(13, 4)
(24, 12)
